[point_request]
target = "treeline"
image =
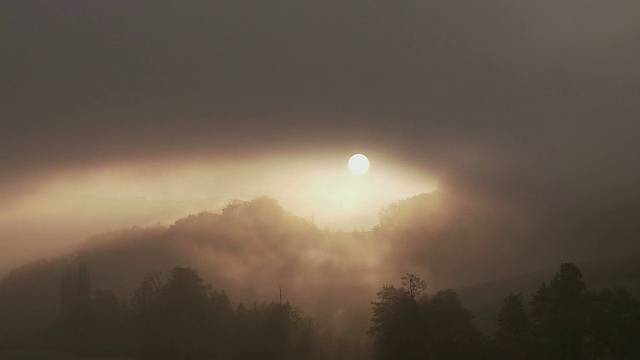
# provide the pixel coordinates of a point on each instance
(408, 324)
(182, 318)
(563, 321)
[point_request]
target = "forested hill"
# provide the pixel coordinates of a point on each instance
(253, 248)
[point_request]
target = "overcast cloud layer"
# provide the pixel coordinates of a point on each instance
(531, 103)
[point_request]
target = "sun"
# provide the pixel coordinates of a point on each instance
(358, 164)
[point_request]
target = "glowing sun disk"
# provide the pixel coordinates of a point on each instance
(358, 164)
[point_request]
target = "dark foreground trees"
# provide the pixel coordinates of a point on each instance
(180, 317)
(90, 323)
(177, 317)
(558, 315)
(568, 322)
(408, 324)
(564, 321)
(184, 319)
(513, 338)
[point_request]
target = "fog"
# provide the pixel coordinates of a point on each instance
(253, 248)
(72, 205)
(141, 136)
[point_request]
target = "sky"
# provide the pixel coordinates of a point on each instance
(121, 113)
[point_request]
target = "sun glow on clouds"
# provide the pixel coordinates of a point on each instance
(75, 204)
(320, 188)
(334, 197)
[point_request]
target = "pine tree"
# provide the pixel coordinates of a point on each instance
(513, 336)
(558, 315)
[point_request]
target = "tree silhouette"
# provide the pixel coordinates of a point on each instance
(413, 285)
(558, 315)
(276, 331)
(612, 325)
(75, 290)
(396, 326)
(183, 318)
(75, 299)
(146, 293)
(108, 333)
(90, 324)
(450, 332)
(513, 336)
(624, 325)
(175, 322)
(408, 326)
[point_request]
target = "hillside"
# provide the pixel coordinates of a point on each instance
(251, 249)
(486, 299)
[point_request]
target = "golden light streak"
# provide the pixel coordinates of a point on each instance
(74, 204)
